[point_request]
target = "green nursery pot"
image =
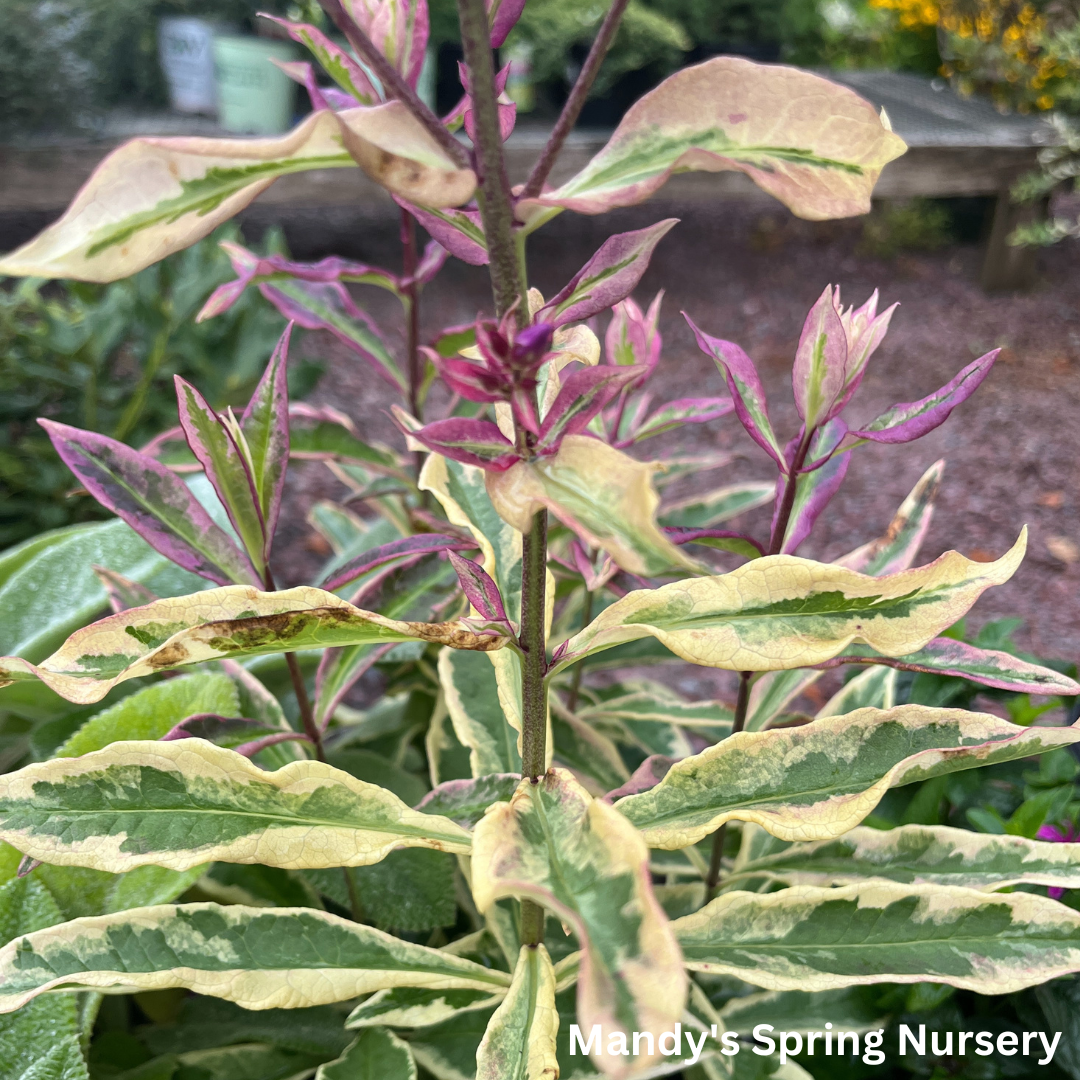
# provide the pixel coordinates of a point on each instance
(254, 96)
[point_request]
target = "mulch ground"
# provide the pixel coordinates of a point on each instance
(1011, 450)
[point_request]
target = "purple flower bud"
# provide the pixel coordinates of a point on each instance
(531, 345)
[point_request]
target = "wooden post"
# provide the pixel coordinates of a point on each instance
(1006, 268)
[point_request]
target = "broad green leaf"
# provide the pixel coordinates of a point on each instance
(153, 196)
(606, 497)
(153, 712)
(785, 612)
(817, 781)
(874, 688)
(375, 1054)
(179, 804)
(820, 154)
(252, 1061)
(471, 694)
(466, 801)
(650, 709)
(41, 1039)
(716, 507)
(583, 862)
(849, 1009)
(519, 1043)
(260, 958)
(922, 855)
(898, 546)
(407, 1007)
(50, 590)
(590, 755)
(228, 622)
(809, 938)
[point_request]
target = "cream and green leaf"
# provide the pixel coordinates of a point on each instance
(809, 938)
(471, 693)
(228, 622)
(785, 612)
(922, 855)
(179, 804)
(817, 147)
(260, 958)
(817, 781)
(153, 196)
(584, 862)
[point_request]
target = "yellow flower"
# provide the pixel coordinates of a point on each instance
(1044, 102)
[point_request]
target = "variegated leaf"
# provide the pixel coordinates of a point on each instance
(785, 612)
(820, 154)
(519, 1043)
(606, 497)
(408, 1007)
(921, 855)
(260, 958)
(715, 507)
(582, 861)
(810, 938)
(871, 689)
(376, 1054)
(817, 781)
(154, 196)
(773, 691)
(179, 804)
(471, 693)
(219, 623)
(466, 801)
(898, 546)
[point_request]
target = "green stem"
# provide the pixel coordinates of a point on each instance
(130, 416)
(356, 909)
(741, 704)
(534, 649)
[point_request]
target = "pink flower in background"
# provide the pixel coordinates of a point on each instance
(1064, 833)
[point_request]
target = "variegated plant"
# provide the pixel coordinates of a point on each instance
(295, 829)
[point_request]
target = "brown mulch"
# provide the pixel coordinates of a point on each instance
(1011, 450)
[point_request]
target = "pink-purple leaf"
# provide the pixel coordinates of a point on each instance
(154, 502)
(646, 776)
(302, 72)
(408, 546)
(471, 380)
(907, 421)
(990, 667)
(123, 593)
(582, 396)
(479, 588)
(462, 113)
(226, 466)
(431, 262)
(720, 539)
(608, 277)
(819, 374)
(633, 337)
(228, 731)
(814, 490)
(682, 411)
(472, 442)
(399, 30)
(747, 392)
(459, 231)
(265, 425)
(502, 16)
(335, 61)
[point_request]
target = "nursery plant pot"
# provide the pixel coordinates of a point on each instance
(186, 54)
(254, 96)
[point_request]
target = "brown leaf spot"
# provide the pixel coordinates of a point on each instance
(168, 656)
(452, 634)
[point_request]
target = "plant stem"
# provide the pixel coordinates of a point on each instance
(534, 649)
(355, 907)
(392, 82)
(303, 702)
(713, 880)
(776, 541)
(574, 103)
(575, 682)
(133, 410)
(412, 296)
(493, 194)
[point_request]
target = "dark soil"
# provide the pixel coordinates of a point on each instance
(1011, 450)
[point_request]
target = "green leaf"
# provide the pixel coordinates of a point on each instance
(39, 1042)
(408, 1007)
(152, 196)
(471, 694)
(922, 855)
(772, 692)
(519, 1043)
(874, 688)
(716, 507)
(153, 712)
(820, 154)
(261, 958)
(784, 612)
(849, 1009)
(375, 1054)
(224, 623)
(583, 862)
(589, 754)
(818, 939)
(179, 804)
(817, 781)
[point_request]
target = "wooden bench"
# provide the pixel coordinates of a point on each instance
(957, 147)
